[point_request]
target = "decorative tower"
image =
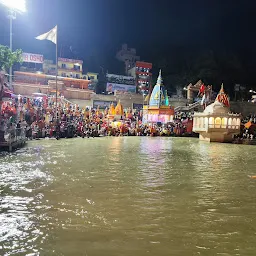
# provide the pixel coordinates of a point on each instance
(157, 97)
(119, 111)
(111, 113)
(111, 110)
(158, 109)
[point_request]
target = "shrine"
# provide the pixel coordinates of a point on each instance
(158, 109)
(216, 123)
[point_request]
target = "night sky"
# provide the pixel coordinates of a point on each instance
(99, 27)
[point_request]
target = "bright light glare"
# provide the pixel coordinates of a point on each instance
(16, 5)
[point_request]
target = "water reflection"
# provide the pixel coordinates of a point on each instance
(22, 175)
(128, 196)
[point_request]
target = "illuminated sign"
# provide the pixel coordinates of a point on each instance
(111, 87)
(102, 104)
(70, 61)
(33, 58)
(137, 106)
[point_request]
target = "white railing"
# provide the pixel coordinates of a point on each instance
(187, 108)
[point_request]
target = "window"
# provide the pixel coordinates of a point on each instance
(91, 77)
(76, 67)
(63, 74)
(63, 65)
(77, 76)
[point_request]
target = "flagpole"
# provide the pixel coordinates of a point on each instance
(56, 78)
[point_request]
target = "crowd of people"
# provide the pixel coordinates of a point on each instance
(248, 130)
(250, 118)
(41, 118)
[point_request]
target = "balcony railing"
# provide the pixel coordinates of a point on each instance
(70, 69)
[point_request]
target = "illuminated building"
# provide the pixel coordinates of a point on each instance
(70, 68)
(92, 76)
(115, 112)
(142, 72)
(158, 109)
(66, 68)
(217, 123)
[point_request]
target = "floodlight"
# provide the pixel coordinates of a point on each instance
(15, 5)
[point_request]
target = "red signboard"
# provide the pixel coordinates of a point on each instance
(143, 64)
(31, 57)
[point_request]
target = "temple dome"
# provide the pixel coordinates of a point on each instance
(216, 108)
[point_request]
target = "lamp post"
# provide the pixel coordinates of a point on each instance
(14, 7)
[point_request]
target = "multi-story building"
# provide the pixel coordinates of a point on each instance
(70, 68)
(66, 68)
(92, 76)
(142, 72)
(128, 56)
(49, 68)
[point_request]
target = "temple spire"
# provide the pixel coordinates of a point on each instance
(222, 88)
(222, 97)
(159, 79)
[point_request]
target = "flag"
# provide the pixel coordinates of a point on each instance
(203, 100)
(202, 89)
(248, 125)
(50, 35)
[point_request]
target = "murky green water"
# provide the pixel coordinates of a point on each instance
(128, 196)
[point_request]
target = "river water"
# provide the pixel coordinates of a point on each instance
(128, 196)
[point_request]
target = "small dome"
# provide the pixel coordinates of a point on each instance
(216, 108)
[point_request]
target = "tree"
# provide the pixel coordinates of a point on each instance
(101, 84)
(7, 59)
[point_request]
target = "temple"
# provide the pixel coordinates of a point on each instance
(115, 112)
(119, 111)
(158, 110)
(217, 123)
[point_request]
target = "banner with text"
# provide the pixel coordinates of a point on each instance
(137, 106)
(120, 88)
(102, 104)
(33, 58)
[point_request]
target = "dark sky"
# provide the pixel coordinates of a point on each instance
(101, 26)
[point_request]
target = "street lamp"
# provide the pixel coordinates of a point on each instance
(14, 7)
(251, 91)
